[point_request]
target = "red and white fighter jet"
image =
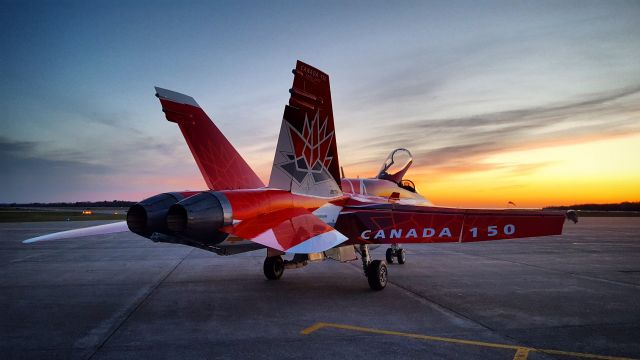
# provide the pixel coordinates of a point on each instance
(307, 209)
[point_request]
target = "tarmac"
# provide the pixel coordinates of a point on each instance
(575, 296)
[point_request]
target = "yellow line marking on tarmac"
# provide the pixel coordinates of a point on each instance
(521, 352)
(314, 327)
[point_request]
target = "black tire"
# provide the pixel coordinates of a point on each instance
(377, 275)
(273, 267)
(402, 256)
(389, 256)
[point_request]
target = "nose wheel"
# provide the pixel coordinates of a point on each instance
(396, 252)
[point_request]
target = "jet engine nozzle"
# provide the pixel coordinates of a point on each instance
(148, 216)
(199, 217)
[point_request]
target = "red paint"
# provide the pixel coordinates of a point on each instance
(220, 164)
(311, 94)
(290, 227)
(409, 223)
(247, 204)
(536, 223)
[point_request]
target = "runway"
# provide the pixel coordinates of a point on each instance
(122, 296)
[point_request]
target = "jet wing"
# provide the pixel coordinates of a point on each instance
(112, 228)
(399, 223)
(290, 230)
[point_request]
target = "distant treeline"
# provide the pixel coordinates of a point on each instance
(86, 204)
(623, 206)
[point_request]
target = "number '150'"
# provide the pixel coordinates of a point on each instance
(492, 230)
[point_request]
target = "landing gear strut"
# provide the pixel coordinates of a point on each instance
(396, 251)
(273, 267)
(375, 271)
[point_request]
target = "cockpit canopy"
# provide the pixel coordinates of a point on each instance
(395, 166)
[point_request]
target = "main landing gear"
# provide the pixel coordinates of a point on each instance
(273, 267)
(395, 251)
(375, 271)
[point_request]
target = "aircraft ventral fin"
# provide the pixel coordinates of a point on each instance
(290, 230)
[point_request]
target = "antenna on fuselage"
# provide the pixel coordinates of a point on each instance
(342, 172)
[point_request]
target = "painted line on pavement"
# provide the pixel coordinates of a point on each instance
(522, 352)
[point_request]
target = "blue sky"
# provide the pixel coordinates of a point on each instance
(453, 81)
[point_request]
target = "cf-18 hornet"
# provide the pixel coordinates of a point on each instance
(307, 211)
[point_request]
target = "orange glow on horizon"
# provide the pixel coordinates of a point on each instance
(586, 170)
(596, 171)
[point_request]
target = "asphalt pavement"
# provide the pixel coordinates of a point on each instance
(122, 296)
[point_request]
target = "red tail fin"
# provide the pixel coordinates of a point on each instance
(219, 162)
(306, 159)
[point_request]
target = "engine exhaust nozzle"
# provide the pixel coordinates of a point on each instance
(200, 217)
(148, 216)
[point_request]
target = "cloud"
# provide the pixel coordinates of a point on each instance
(116, 120)
(27, 176)
(12, 147)
(476, 137)
(32, 172)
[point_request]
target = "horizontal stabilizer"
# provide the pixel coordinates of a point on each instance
(289, 230)
(113, 228)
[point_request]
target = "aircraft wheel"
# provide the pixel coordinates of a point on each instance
(389, 256)
(402, 256)
(377, 275)
(273, 267)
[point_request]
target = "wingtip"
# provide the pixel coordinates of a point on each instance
(174, 96)
(111, 228)
(34, 239)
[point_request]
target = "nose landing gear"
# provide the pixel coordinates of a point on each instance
(395, 251)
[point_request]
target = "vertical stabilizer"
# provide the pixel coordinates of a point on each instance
(306, 158)
(220, 164)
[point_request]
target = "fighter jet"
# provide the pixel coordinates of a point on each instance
(307, 212)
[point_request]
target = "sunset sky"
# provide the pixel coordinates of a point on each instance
(536, 102)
